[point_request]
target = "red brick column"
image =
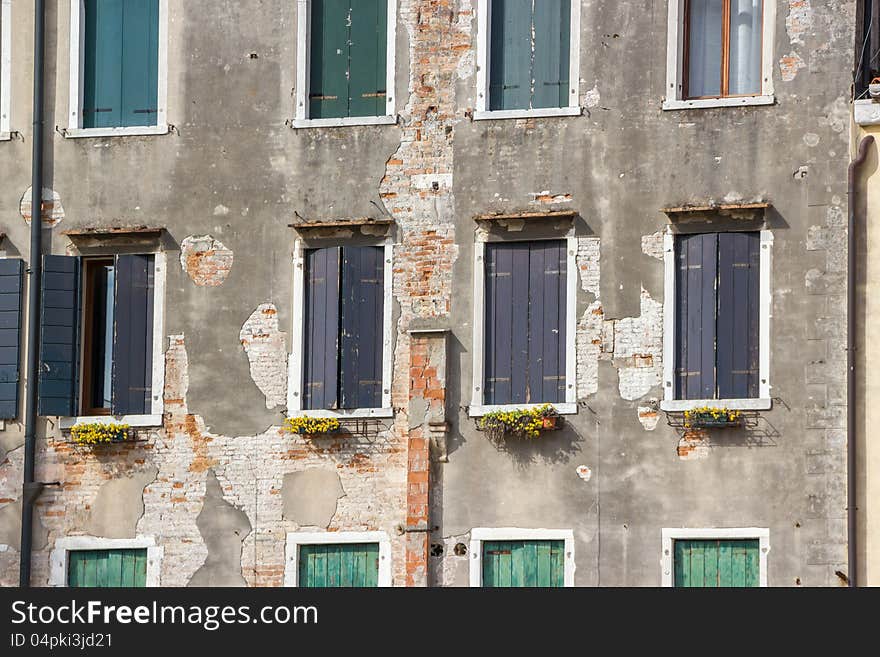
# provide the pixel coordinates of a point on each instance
(427, 411)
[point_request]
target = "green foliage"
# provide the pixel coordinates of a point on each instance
(99, 433)
(521, 422)
(311, 425)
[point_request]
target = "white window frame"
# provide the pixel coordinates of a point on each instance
(675, 58)
(303, 56)
(59, 558)
(297, 539)
(765, 315)
(5, 69)
(295, 361)
(484, 42)
(481, 534)
(77, 65)
(154, 418)
(569, 406)
(669, 535)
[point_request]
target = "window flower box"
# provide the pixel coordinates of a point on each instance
(312, 427)
(712, 418)
(100, 433)
(521, 423)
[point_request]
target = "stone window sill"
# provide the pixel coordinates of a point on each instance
(706, 103)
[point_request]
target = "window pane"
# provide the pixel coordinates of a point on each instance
(704, 47)
(745, 46)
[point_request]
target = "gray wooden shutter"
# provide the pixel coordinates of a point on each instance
(11, 270)
(552, 53)
(739, 274)
(361, 327)
(59, 336)
(510, 58)
(133, 335)
(321, 344)
(547, 296)
(695, 306)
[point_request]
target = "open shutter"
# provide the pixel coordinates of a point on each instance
(510, 65)
(321, 348)
(552, 53)
(59, 336)
(506, 323)
(102, 75)
(361, 327)
(10, 335)
(329, 61)
(140, 62)
(133, 335)
(739, 263)
(695, 315)
(547, 299)
(367, 57)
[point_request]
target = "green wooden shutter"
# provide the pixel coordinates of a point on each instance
(121, 64)
(510, 54)
(367, 56)
(328, 70)
(11, 270)
(716, 563)
(344, 565)
(107, 568)
(552, 53)
(523, 563)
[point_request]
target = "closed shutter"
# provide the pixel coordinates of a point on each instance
(523, 563)
(361, 337)
(525, 323)
(120, 76)
(344, 565)
(133, 335)
(696, 257)
(107, 568)
(552, 53)
(10, 335)
(510, 65)
(348, 52)
(739, 262)
(59, 335)
(716, 563)
(321, 345)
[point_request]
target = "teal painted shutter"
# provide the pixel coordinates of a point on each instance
(107, 568)
(102, 75)
(328, 75)
(321, 343)
(11, 270)
(133, 335)
(140, 62)
(510, 54)
(739, 275)
(353, 565)
(360, 361)
(552, 53)
(523, 564)
(716, 563)
(59, 336)
(121, 64)
(367, 57)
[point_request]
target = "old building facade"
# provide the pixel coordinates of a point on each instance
(628, 210)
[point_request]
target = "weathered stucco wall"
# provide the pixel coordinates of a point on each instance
(232, 175)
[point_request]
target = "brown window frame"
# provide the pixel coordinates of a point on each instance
(725, 54)
(90, 268)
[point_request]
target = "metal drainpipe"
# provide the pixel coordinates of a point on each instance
(851, 502)
(31, 489)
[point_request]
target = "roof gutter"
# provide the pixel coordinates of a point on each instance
(851, 500)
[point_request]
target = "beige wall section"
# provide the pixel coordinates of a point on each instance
(867, 354)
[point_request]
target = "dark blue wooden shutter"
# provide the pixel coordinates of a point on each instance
(59, 336)
(510, 59)
(133, 335)
(547, 312)
(502, 314)
(739, 273)
(321, 343)
(361, 327)
(552, 53)
(10, 335)
(696, 277)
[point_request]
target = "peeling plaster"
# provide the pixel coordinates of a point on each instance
(799, 20)
(649, 416)
(592, 98)
(205, 259)
(584, 472)
(52, 210)
(10, 527)
(694, 446)
(266, 348)
(638, 349)
(652, 245)
(119, 505)
(311, 496)
(789, 65)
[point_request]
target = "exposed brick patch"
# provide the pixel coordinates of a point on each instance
(52, 210)
(694, 446)
(649, 416)
(266, 348)
(799, 20)
(548, 198)
(652, 245)
(205, 259)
